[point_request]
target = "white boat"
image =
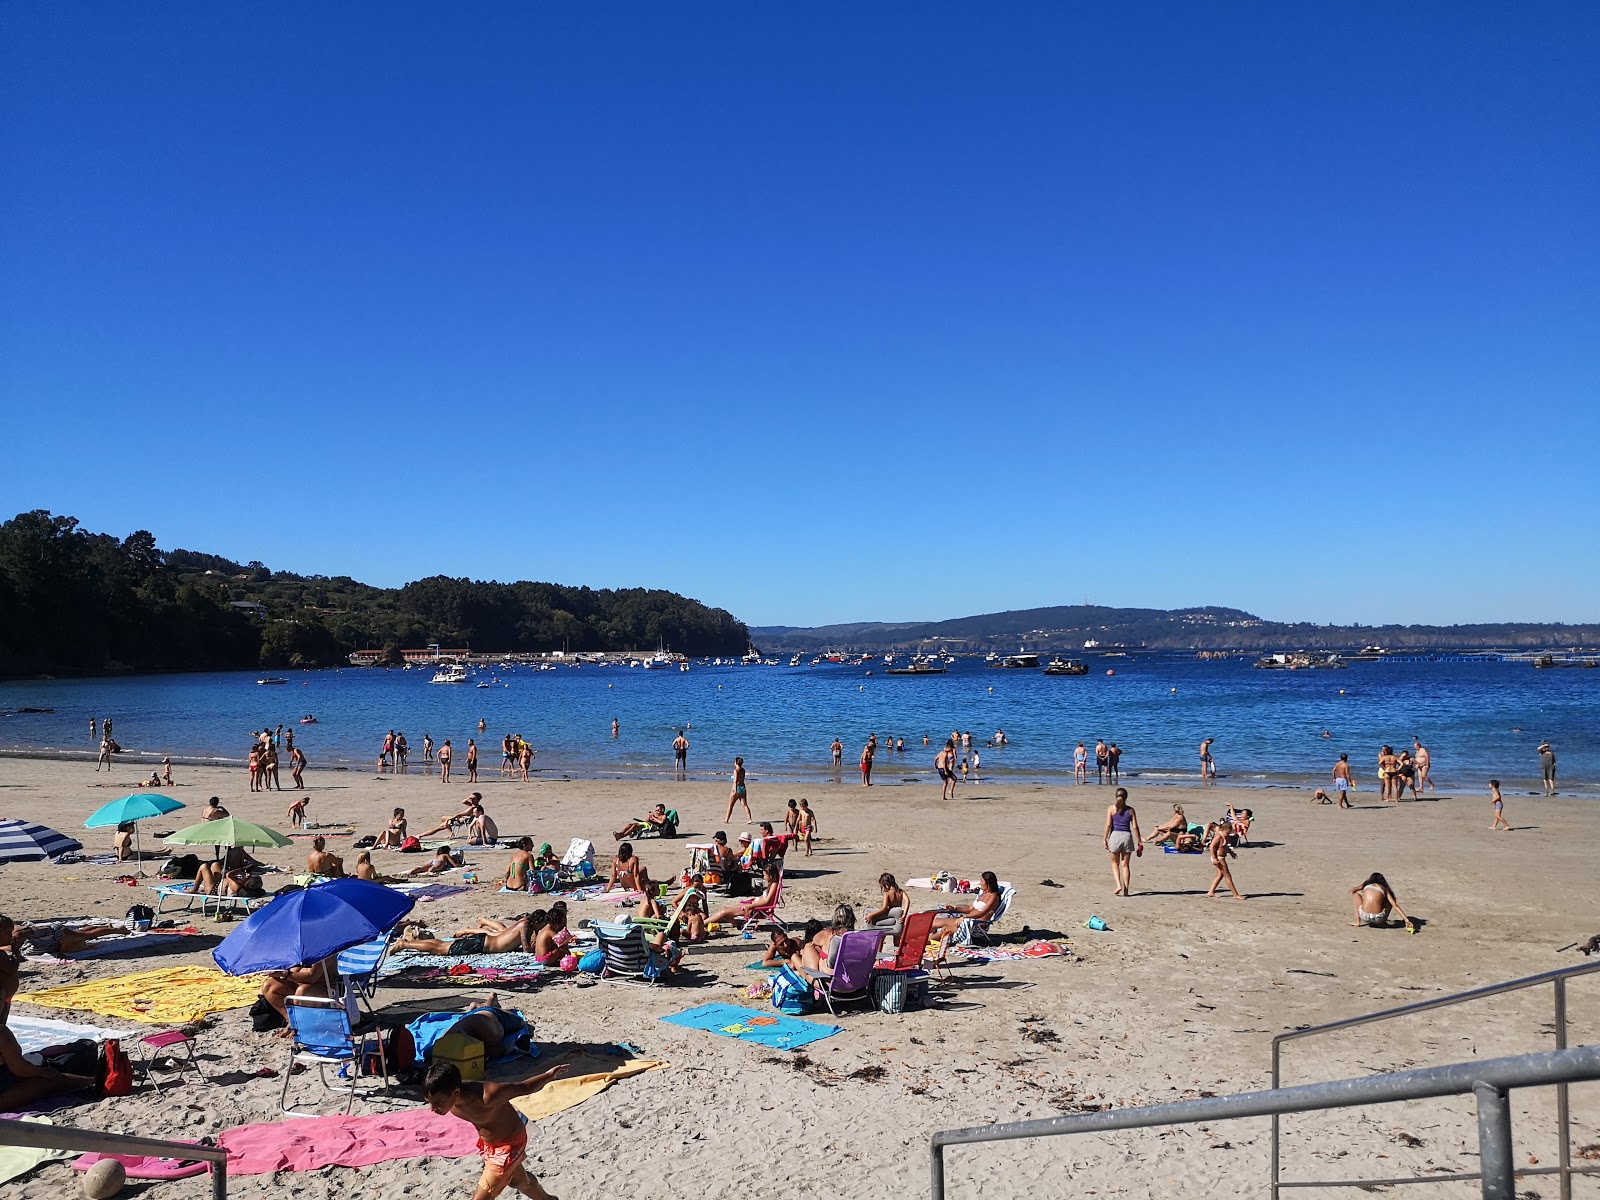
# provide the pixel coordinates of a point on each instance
(657, 662)
(795, 661)
(455, 673)
(270, 679)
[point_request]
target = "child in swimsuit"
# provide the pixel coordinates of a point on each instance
(502, 1135)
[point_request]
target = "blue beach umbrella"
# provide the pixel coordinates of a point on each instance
(307, 926)
(28, 841)
(133, 808)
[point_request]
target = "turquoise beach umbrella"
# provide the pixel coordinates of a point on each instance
(133, 808)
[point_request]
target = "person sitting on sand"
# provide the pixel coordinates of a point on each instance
(213, 811)
(444, 859)
(628, 873)
(22, 1083)
(782, 950)
(482, 831)
(487, 936)
(320, 862)
(981, 908)
(1168, 831)
(519, 867)
(122, 842)
(365, 870)
(696, 910)
(740, 910)
(395, 833)
(552, 937)
(546, 859)
(817, 955)
(312, 979)
(892, 913)
(502, 1134)
(1373, 899)
(655, 819)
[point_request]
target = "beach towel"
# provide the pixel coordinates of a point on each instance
(423, 893)
(430, 1027)
(36, 1033)
(142, 1166)
(982, 954)
(509, 961)
(310, 1143)
(17, 1161)
(615, 897)
(171, 996)
(590, 1075)
(927, 884)
(765, 1028)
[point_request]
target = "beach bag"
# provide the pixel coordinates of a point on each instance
(464, 1052)
(593, 962)
(263, 1017)
(410, 845)
(80, 1057)
(118, 1070)
(579, 851)
(183, 866)
(896, 991)
(141, 917)
(791, 993)
(669, 828)
(365, 843)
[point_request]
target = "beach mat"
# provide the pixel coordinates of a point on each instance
(36, 1033)
(171, 996)
(311, 1143)
(591, 1075)
(509, 961)
(142, 1166)
(767, 1028)
(425, 892)
(17, 1161)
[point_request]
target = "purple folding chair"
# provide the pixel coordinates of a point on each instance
(853, 957)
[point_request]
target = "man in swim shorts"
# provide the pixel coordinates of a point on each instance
(502, 1134)
(1341, 780)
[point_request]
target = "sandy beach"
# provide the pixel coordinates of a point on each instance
(1178, 998)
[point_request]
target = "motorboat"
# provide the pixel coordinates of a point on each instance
(1065, 666)
(454, 673)
(920, 665)
(270, 679)
(1019, 661)
(795, 661)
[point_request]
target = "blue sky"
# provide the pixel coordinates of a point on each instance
(821, 312)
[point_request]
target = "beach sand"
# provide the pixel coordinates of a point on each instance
(1178, 998)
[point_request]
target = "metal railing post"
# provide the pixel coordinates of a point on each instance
(936, 1168)
(1277, 1082)
(219, 1180)
(1563, 1130)
(1494, 1142)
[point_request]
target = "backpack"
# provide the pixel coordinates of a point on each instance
(365, 843)
(791, 992)
(118, 1079)
(80, 1057)
(184, 866)
(410, 845)
(141, 917)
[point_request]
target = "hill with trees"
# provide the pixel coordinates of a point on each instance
(74, 602)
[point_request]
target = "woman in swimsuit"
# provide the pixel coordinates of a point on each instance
(552, 940)
(981, 909)
(1372, 901)
(21, 1083)
(895, 904)
(816, 956)
(1121, 837)
(773, 875)
(486, 937)
(1168, 831)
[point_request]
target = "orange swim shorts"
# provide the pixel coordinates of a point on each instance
(502, 1158)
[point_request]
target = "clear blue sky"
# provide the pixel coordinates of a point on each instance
(821, 312)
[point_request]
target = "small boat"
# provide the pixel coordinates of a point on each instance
(1065, 666)
(795, 661)
(455, 673)
(483, 685)
(270, 679)
(308, 720)
(1018, 662)
(919, 665)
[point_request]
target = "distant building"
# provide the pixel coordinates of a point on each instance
(254, 607)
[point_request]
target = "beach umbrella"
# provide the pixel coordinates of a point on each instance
(132, 809)
(228, 831)
(28, 841)
(307, 926)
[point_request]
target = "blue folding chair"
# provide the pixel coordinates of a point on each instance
(322, 1034)
(358, 967)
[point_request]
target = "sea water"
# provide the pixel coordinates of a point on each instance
(1478, 719)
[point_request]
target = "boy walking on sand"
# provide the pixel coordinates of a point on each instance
(1499, 807)
(502, 1136)
(806, 825)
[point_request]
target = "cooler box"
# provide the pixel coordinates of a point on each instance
(466, 1053)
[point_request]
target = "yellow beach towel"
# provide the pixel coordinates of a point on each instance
(16, 1161)
(172, 996)
(571, 1090)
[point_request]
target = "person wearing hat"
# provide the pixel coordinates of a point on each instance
(1547, 767)
(546, 859)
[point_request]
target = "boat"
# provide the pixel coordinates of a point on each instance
(270, 679)
(991, 657)
(1065, 666)
(919, 665)
(483, 685)
(795, 661)
(308, 720)
(1018, 662)
(454, 673)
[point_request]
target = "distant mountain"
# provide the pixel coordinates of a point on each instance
(1069, 627)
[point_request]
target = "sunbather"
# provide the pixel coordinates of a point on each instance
(655, 819)
(57, 938)
(552, 937)
(546, 859)
(486, 937)
(482, 831)
(396, 832)
(981, 908)
(122, 841)
(443, 860)
(740, 910)
(1168, 831)
(695, 907)
(782, 950)
(1373, 899)
(213, 811)
(312, 979)
(895, 904)
(471, 810)
(213, 880)
(320, 862)
(519, 867)
(22, 1083)
(365, 869)
(629, 873)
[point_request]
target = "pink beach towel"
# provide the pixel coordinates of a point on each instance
(309, 1143)
(139, 1166)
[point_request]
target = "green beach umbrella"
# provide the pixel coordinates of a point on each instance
(130, 810)
(229, 831)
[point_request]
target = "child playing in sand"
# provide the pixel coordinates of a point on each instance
(1220, 853)
(502, 1135)
(297, 812)
(1499, 807)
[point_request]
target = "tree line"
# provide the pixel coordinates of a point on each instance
(80, 603)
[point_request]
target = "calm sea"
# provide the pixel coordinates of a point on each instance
(1478, 719)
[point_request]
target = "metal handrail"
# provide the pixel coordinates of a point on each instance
(1557, 978)
(39, 1136)
(1489, 1081)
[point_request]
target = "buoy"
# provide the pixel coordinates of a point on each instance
(991, 691)
(1110, 672)
(609, 685)
(1341, 691)
(1174, 691)
(862, 688)
(104, 1179)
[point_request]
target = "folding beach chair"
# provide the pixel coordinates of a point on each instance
(853, 956)
(629, 958)
(972, 932)
(358, 967)
(901, 981)
(322, 1034)
(757, 913)
(667, 830)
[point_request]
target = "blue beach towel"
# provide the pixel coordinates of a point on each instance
(774, 1030)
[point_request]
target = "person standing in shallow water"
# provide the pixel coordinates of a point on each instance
(1547, 766)
(472, 761)
(680, 755)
